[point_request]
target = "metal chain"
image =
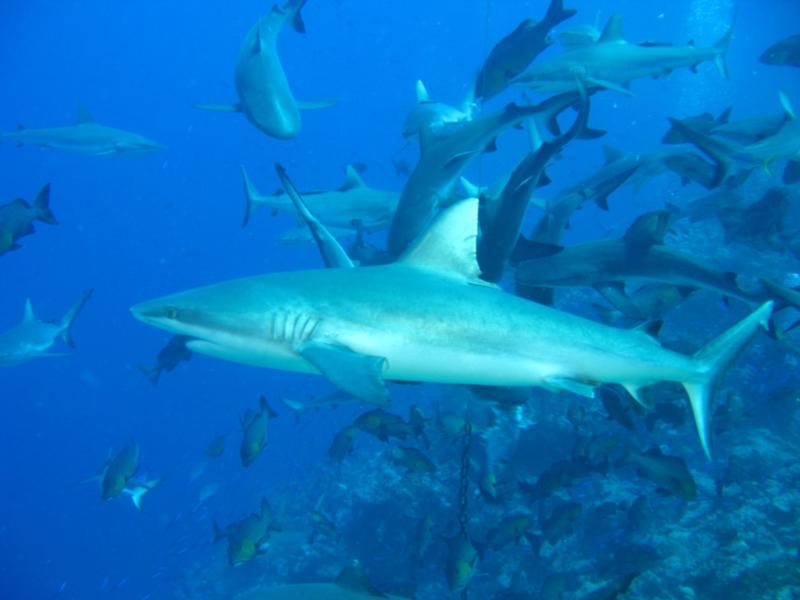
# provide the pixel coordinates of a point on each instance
(463, 490)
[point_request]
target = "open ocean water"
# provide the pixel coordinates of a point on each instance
(141, 226)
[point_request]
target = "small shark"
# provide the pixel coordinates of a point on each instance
(264, 94)
(743, 131)
(445, 155)
(33, 338)
(428, 317)
(353, 206)
(612, 62)
(501, 226)
(17, 217)
(640, 255)
(85, 135)
(782, 145)
(619, 168)
(512, 55)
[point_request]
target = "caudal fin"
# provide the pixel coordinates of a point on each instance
(718, 151)
(69, 318)
(251, 197)
(721, 52)
(42, 206)
(713, 361)
(556, 13)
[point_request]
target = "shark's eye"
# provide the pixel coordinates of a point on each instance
(170, 312)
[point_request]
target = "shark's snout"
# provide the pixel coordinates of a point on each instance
(155, 312)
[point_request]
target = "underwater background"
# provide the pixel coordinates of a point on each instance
(138, 227)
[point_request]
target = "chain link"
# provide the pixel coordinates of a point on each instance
(463, 489)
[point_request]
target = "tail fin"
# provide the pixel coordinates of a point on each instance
(252, 198)
(717, 150)
(69, 318)
(556, 13)
(712, 362)
(721, 52)
(293, 8)
(42, 206)
(138, 493)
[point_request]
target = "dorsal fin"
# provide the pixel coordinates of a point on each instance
(648, 229)
(612, 31)
(422, 92)
(27, 315)
(82, 115)
(449, 244)
(352, 179)
(611, 153)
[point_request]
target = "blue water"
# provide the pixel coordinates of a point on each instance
(134, 228)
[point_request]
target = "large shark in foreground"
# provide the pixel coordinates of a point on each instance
(264, 94)
(429, 317)
(85, 135)
(33, 338)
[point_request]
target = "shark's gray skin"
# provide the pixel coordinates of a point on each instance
(613, 263)
(500, 230)
(722, 201)
(429, 317)
(433, 115)
(786, 52)
(352, 207)
(620, 168)
(743, 131)
(264, 94)
(33, 338)
(783, 145)
(85, 136)
(613, 63)
(512, 55)
(444, 156)
(17, 217)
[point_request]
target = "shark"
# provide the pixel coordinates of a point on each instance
(445, 155)
(502, 224)
(428, 317)
(265, 98)
(33, 338)
(784, 144)
(612, 62)
(607, 265)
(512, 55)
(619, 168)
(354, 206)
(86, 136)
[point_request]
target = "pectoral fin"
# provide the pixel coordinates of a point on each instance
(356, 374)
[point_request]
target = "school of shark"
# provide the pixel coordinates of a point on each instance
(532, 388)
